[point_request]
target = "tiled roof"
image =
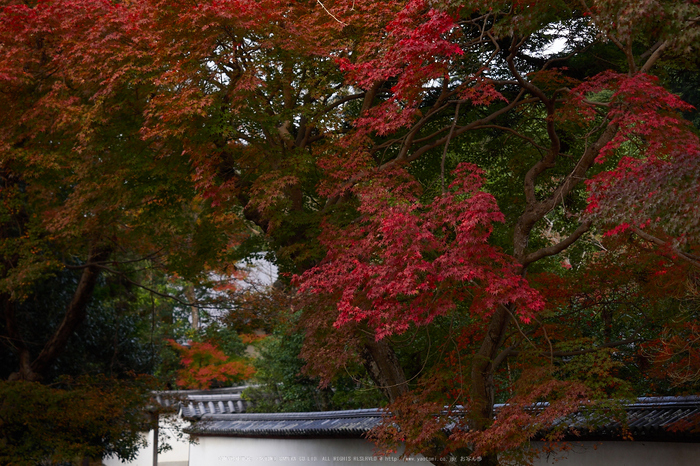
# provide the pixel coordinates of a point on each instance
(353, 423)
(654, 418)
(196, 403)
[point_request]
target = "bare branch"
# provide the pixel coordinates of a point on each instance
(656, 54)
(559, 247)
(343, 100)
(566, 57)
(329, 13)
(444, 152)
(113, 262)
(612, 344)
(474, 124)
(564, 354)
(691, 258)
(425, 148)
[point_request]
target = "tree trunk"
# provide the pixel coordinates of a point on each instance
(75, 314)
(482, 387)
(192, 298)
(383, 367)
(156, 433)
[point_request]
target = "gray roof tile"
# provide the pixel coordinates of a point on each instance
(196, 403)
(223, 412)
(353, 423)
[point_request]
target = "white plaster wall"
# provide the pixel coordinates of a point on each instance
(630, 453)
(234, 451)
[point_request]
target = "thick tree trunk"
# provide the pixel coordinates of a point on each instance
(75, 314)
(384, 368)
(482, 386)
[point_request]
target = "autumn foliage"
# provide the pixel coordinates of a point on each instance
(427, 172)
(75, 418)
(404, 263)
(204, 364)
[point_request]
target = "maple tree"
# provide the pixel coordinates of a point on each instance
(205, 363)
(81, 189)
(621, 120)
(215, 356)
(420, 166)
(87, 206)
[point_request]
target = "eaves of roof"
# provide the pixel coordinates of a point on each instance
(336, 424)
(651, 418)
(196, 403)
(222, 412)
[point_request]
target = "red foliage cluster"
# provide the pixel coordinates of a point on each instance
(205, 364)
(405, 263)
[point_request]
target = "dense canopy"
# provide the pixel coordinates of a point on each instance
(469, 202)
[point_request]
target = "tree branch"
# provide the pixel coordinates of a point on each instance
(691, 258)
(343, 100)
(536, 210)
(655, 55)
(75, 313)
(444, 152)
(564, 354)
(474, 124)
(335, 198)
(559, 247)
